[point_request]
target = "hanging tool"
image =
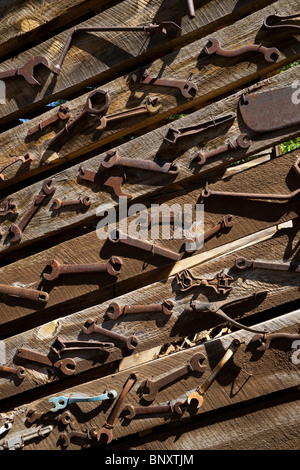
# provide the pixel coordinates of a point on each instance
(19, 441)
(270, 54)
(265, 339)
(28, 157)
(61, 402)
(61, 115)
(272, 22)
(27, 71)
(220, 283)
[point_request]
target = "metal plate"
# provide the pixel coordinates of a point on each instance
(271, 110)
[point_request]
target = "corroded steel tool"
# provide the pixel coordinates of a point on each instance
(24, 293)
(113, 159)
(66, 366)
(238, 143)
(115, 310)
(28, 157)
(61, 115)
(66, 437)
(265, 339)
(220, 283)
(27, 71)
(33, 416)
(83, 201)
(243, 263)
(270, 54)
(91, 327)
(131, 411)
(193, 244)
(272, 22)
(205, 193)
(112, 266)
(18, 371)
(18, 442)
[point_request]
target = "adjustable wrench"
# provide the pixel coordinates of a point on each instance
(27, 70)
(220, 283)
(112, 267)
(193, 365)
(143, 78)
(17, 230)
(61, 402)
(91, 326)
(270, 54)
(19, 441)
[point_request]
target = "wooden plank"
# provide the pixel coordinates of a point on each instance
(106, 56)
(212, 81)
(276, 288)
(142, 268)
(69, 186)
(248, 375)
(26, 22)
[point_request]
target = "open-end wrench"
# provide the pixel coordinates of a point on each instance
(23, 293)
(270, 54)
(216, 309)
(66, 366)
(28, 157)
(281, 197)
(150, 107)
(65, 437)
(131, 411)
(61, 346)
(265, 339)
(185, 87)
(62, 114)
(243, 263)
(91, 327)
(116, 236)
(165, 307)
(17, 230)
(194, 244)
(193, 365)
(112, 267)
(83, 201)
(26, 71)
(238, 143)
(81, 118)
(113, 159)
(9, 208)
(107, 429)
(33, 416)
(18, 371)
(113, 181)
(61, 402)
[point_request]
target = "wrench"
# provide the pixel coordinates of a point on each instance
(281, 197)
(27, 70)
(117, 310)
(62, 114)
(185, 88)
(9, 208)
(66, 437)
(17, 230)
(270, 54)
(67, 365)
(61, 402)
(112, 267)
(23, 293)
(28, 157)
(243, 263)
(265, 339)
(238, 143)
(33, 416)
(148, 108)
(91, 326)
(19, 441)
(194, 244)
(193, 365)
(58, 203)
(18, 371)
(113, 159)
(220, 283)
(197, 396)
(61, 346)
(131, 411)
(107, 429)
(113, 181)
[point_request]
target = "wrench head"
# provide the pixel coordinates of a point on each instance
(271, 54)
(241, 142)
(27, 70)
(89, 326)
(57, 204)
(152, 106)
(242, 263)
(17, 232)
(47, 188)
(21, 372)
(195, 364)
(116, 312)
(111, 159)
(59, 402)
(227, 221)
(215, 44)
(132, 342)
(105, 432)
(55, 270)
(67, 365)
(88, 108)
(178, 408)
(200, 158)
(168, 306)
(114, 266)
(187, 88)
(196, 398)
(129, 411)
(263, 340)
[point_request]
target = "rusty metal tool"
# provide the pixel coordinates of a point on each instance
(91, 327)
(220, 283)
(27, 71)
(61, 346)
(272, 22)
(270, 54)
(191, 8)
(66, 437)
(198, 394)
(113, 159)
(66, 366)
(238, 143)
(193, 365)
(18, 442)
(208, 193)
(33, 416)
(265, 339)
(165, 307)
(131, 411)
(166, 28)
(61, 402)
(9, 208)
(243, 263)
(112, 266)
(173, 135)
(28, 157)
(185, 87)
(113, 181)
(23, 293)
(83, 201)
(216, 309)
(107, 429)
(193, 244)
(61, 115)
(116, 236)
(149, 107)
(17, 230)
(6, 426)
(88, 110)
(18, 371)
